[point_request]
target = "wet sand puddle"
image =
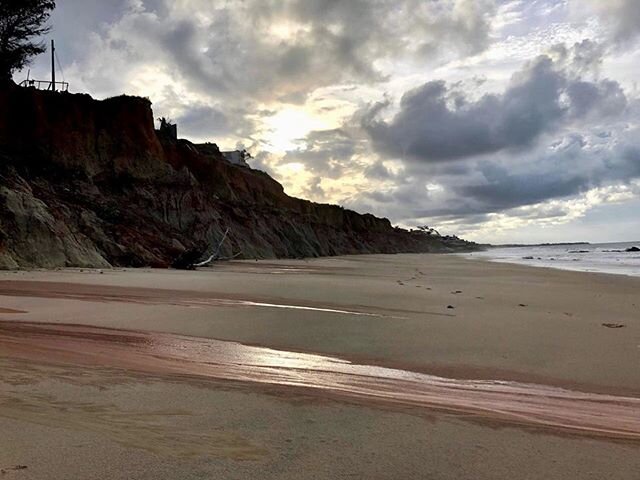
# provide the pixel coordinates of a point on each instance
(512, 402)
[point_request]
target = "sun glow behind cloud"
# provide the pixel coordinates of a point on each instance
(288, 126)
(283, 30)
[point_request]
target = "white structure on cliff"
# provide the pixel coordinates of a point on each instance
(237, 157)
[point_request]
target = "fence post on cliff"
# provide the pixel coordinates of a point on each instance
(53, 66)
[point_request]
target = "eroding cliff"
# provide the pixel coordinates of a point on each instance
(91, 183)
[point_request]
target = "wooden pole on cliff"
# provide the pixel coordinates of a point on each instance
(53, 66)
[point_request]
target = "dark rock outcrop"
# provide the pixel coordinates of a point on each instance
(91, 183)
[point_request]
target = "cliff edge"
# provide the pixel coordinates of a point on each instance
(92, 183)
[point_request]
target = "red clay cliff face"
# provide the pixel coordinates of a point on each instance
(91, 183)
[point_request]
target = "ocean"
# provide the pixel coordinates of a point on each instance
(597, 257)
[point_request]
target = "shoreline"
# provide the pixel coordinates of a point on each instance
(548, 267)
(610, 259)
(545, 267)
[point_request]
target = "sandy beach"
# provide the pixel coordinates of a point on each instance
(111, 374)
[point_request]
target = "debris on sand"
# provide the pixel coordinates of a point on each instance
(4, 471)
(613, 325)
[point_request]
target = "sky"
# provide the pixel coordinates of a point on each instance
(501, 121)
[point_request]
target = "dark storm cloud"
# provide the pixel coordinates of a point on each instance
(505, 191)
(436, 123)
(574, 167)
(630, 156)
(563, 170)
(602, 100)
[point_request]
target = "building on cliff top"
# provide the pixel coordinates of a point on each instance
(237, 157)
(168, 128)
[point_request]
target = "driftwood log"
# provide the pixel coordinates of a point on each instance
(215, 254)
(188, 260)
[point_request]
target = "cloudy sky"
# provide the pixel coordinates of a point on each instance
(498, 120)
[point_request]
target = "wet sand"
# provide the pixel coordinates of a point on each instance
(77, 423)
(536, 330)
(592, 414)
(9, 310)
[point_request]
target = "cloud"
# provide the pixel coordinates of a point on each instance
(621, 16)
(267, 50)
(326, 152)
(501, 190)
(563, 173)
(437, 123)
(378, 171)
(204, 121)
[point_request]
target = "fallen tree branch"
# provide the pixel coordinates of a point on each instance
(224, 259)
(216, 253)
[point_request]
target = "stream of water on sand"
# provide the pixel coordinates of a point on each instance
(531, 404)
